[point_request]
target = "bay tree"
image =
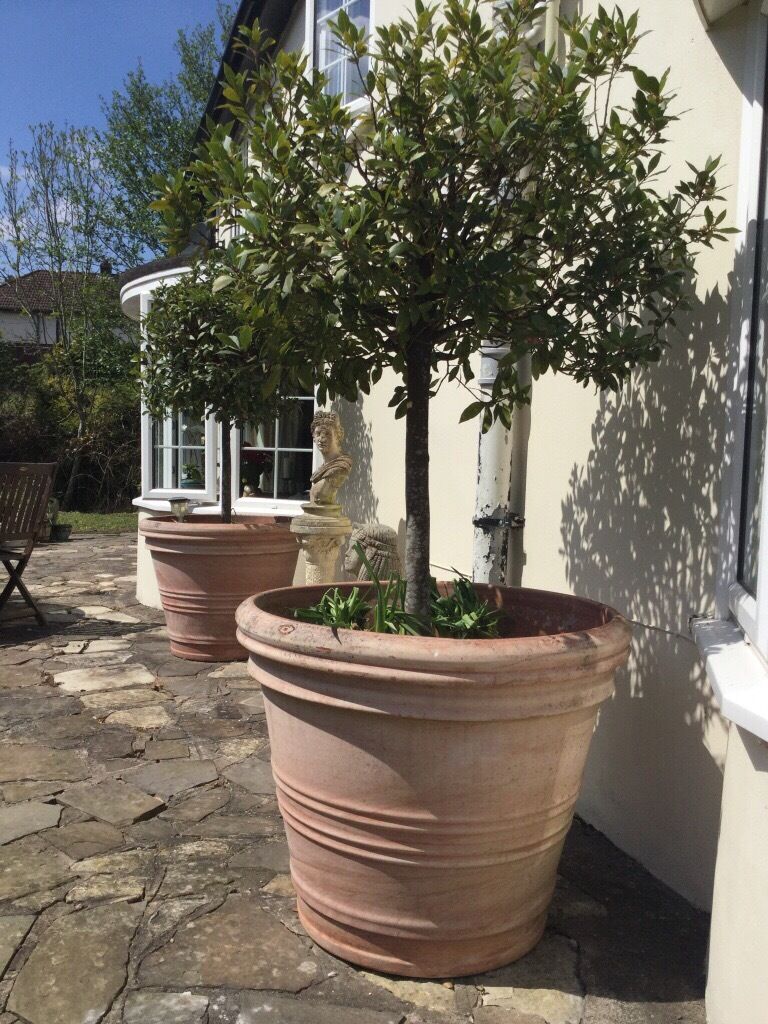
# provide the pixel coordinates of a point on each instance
(479, 192)
(204, 355)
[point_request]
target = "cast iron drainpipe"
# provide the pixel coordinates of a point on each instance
(498, 552)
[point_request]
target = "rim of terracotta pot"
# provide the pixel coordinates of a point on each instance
(203, 531)
(205, 525)
(435, 676)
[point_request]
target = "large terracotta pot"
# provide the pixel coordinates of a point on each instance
(427, 785)
(205, 568)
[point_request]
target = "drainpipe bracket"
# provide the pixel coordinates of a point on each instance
(510, 521)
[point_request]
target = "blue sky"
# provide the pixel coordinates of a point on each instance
(59, 56)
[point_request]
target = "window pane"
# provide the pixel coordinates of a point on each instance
(192, 467)
(256, 473)
(192, 430)
(343, 75)
(260, 436)
(293, 472)
(178, 453)
(278, 471)
(295, 425)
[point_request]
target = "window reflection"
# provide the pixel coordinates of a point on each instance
(343, 74)
(276, 457)
(178, 452)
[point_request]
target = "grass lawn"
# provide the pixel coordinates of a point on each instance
(99, 522)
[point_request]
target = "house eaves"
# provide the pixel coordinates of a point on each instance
(274, 16)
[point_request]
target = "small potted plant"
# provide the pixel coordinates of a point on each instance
(255, 464)
(428, 740)
(203, 356)
(190, 477)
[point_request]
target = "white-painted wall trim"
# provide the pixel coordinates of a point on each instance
(731, 599)
(734, 645)
(131, 293)
(737, 673)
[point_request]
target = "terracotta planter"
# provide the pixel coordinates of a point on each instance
(205, 568)
(427, 785)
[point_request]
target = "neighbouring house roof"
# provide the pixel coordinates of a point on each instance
(35, 292)
(274, 16)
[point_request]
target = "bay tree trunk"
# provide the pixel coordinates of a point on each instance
(226, 474)
(417, 572)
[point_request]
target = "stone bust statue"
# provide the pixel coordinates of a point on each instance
(328, 434)
(380, 546)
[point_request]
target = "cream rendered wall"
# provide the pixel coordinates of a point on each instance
(737, 985)
(376, 487)
(146, 582)
(624, 496)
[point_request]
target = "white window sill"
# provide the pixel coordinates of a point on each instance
(164, 505)
(736, 672)
(266, 507)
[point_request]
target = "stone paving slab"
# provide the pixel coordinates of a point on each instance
(77, 968)
(24, 819)
(93, 680)
(162, 896)
(115, 802)
(30, 865)
(169, 778)
(37, 763)
(82, 839)
(281, 1010)
(165, 1008)
(13, 930)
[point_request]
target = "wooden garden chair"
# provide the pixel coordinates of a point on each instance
(24, 491)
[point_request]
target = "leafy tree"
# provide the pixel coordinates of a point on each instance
(56, 219)
(151, 126)
(485, 193)
(206, 354)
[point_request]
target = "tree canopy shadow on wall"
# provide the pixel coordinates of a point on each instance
(643, 530)
(358, 498)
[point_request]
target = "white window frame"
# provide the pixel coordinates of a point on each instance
(149, 493)
(749, 610)
(309, 43)
(263, 506)
(734, 644)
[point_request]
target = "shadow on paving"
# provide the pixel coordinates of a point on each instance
(144, 872)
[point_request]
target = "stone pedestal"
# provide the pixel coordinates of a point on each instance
(321, 531)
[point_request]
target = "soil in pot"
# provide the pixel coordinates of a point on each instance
(205, 568)
(427, 784)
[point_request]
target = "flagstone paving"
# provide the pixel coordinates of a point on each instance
(144, 875)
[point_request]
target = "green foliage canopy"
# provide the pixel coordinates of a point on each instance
(150, 126)
(480, 193)
(206, 350)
